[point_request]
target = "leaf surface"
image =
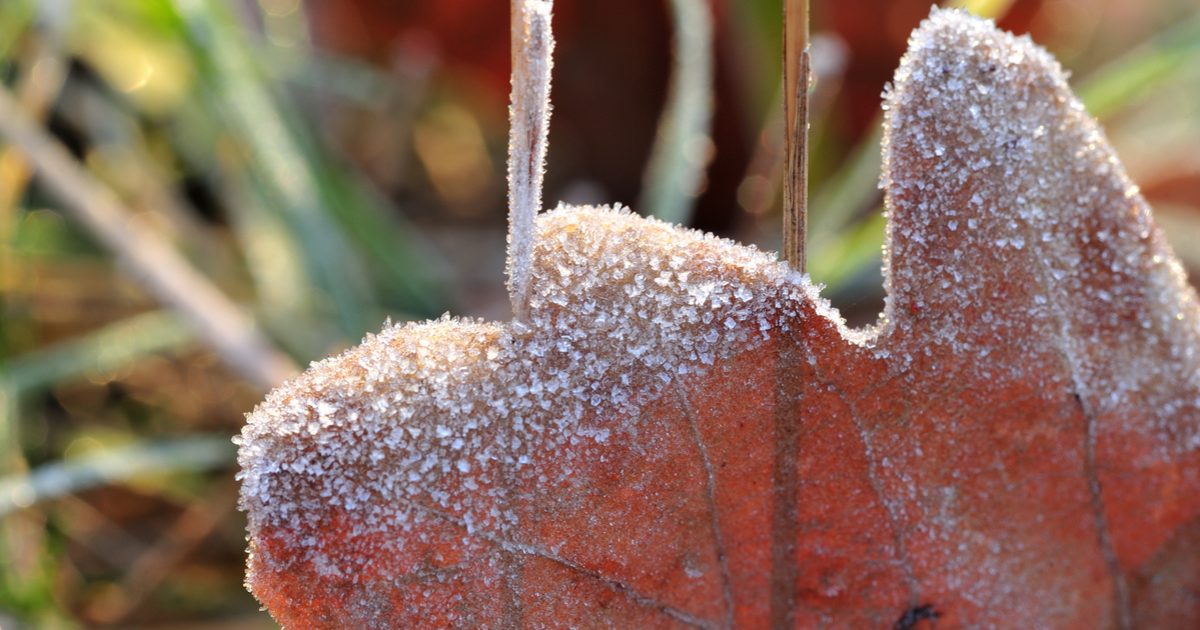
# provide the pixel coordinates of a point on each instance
(684, 434)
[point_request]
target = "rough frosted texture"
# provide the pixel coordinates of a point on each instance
(683, 434)
(443, 422)
(529, 120)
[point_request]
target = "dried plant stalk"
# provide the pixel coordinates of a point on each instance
(529, 121)
(795, 106)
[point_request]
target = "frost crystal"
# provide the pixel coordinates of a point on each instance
(456, 402)
(533, 45)
(1038, 356)
(1031, 211)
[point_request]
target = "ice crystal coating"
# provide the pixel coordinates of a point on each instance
(682, 433)
(395, 430)
(620, 306)
(982, 126)
(529, 118)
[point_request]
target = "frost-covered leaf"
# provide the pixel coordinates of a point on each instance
(682, 433)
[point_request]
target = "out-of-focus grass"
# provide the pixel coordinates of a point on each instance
(684, 146)
(111, 465)
(1161, 61)
(992, 9)
(215, 124)
(104, 350)
(169, 105)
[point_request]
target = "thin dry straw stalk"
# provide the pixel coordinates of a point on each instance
(795, 103)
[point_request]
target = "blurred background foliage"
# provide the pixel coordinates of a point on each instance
(294, 173)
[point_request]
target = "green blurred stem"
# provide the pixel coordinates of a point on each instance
(1136, 74)
(12, 458)
(194, 454)
(15, 17)
(683, 147)
(106, 349)
(853, 188)
(278, 158)
(357, 250)
(146, 253)
(844, 253)
(991, 9)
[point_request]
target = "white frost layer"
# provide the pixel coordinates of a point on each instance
(1014, 229)
(619, 307)
(1016, 246)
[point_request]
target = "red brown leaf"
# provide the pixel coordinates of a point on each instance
(684, 434)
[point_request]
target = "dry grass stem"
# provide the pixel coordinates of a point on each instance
(146, 254)
(795, 93)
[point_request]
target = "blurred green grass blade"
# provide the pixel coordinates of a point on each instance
(329, 73)
(153, 14)
(991, 9)
(279, 158)
(853, 188)
(11, 456)
(402, 261)
(282, 295)
(351, 245)
(15, 17)
(191, 454)
(683, 147)
(1138, 73)
(107, 349)
(845, 255)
